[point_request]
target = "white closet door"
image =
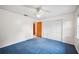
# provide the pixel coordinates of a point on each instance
(52, 29)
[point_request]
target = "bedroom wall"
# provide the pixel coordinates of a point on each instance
(60, 28)
(76, 42)
(14, 28)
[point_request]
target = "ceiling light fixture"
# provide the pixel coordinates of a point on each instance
(38, 16)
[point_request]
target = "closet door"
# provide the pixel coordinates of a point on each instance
(52, 29)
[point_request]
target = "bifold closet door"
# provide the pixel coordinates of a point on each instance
(52, 29)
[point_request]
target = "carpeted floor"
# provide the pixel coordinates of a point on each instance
(39, 46)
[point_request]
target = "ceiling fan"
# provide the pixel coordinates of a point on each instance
(38, 9)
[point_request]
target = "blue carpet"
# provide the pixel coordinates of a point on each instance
(39, 46)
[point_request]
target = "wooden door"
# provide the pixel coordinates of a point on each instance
(37, 29)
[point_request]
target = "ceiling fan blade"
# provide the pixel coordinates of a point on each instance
(36, 8)
(45, 10)
(28, 16)
(41, 8)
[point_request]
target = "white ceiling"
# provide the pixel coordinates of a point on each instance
(30, 10)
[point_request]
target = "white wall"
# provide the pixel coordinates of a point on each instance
(14, 28)
(52, 28)
(75, 27)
